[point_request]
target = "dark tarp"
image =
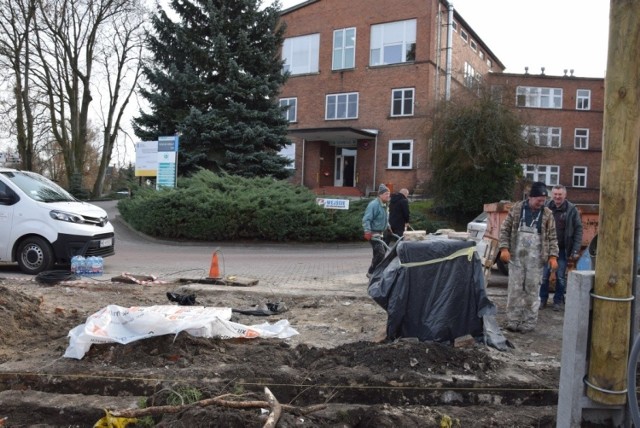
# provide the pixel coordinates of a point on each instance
(440, 297)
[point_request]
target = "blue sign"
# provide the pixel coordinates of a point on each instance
(167, 165)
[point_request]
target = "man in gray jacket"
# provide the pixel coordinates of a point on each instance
(569, 232)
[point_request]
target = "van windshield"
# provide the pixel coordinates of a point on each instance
(38, 187)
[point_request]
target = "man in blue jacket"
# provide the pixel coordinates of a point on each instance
(374, 222)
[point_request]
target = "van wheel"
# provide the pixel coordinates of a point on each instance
(34, 255)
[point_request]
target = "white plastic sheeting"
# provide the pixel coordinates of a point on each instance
(122, 325)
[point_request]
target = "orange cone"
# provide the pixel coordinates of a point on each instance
(214, 270)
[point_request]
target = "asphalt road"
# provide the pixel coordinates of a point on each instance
(280, 268)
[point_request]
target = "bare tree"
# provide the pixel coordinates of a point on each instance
(73, 38)
(121, 61)
(15, 26)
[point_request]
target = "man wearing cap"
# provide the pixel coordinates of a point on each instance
(374, 222)
(527, 242)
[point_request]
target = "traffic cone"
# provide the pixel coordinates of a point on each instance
(214, 270)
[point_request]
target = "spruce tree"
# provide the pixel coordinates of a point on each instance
(214, 79)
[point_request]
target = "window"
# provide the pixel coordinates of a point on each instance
(400, 154)
(393, 43)
(497, 92)
(291, 105)
(548, 174)
(583, 99)
(402, 102)
(342, 106)
(481, 54)
(455, 25)
(474, 46)
(289, 152)
(472, 78)
(489, 63)
(300, 54)
(464, 35)
(344, 48)
(579, 176)
(581, 139)
(534, 97)
(544, 136)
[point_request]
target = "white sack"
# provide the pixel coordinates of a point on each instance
(118, 324)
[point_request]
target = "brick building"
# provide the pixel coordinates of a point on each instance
(364, 75)
(564, 116)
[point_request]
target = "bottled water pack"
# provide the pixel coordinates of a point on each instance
(87, 266)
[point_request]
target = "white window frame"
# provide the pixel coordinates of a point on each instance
(400, 157)
(544, 136)
(538, 97)
(387, 38)
(341, 106)
(301, 54)
(473, 45)
(291, 114)
(344, 49)
(289, 152)
(583, 99)
(469, 77)
(548, 174)
(580, 175)
(581, 139)
(402, 100)
(464, 36)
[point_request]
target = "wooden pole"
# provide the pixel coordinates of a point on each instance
(610, 329)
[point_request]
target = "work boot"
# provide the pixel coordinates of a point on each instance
(512, 327)
(557, 307)
(543, 305)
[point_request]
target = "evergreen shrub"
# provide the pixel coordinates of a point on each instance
(213, 207)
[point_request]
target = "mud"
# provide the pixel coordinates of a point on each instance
(339, 360)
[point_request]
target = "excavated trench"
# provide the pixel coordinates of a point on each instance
(396, 374)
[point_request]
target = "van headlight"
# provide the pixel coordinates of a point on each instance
(63, 216)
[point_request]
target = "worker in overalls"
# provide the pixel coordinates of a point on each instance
(527, 242)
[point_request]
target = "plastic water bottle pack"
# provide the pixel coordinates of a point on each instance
(87, 266)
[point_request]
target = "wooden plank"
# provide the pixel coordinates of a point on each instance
(609, 348)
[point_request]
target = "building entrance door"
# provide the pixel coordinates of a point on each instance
(345, 167)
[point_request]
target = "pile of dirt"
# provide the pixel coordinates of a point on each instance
(336, 366)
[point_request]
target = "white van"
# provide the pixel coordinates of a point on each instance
(41, 224)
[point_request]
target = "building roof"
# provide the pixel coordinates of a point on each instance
(332, 134)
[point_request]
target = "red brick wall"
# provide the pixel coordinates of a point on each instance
(374, 84)
(567, 118)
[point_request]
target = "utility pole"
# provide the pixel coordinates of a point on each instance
(613, 291)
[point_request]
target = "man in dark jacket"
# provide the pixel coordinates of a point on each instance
(399, 212)
(569, 231)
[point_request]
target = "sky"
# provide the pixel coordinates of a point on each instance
(554, 34)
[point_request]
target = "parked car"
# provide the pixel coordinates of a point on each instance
(476, 229)
(42, 224)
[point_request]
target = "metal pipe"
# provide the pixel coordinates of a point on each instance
(447, 84)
